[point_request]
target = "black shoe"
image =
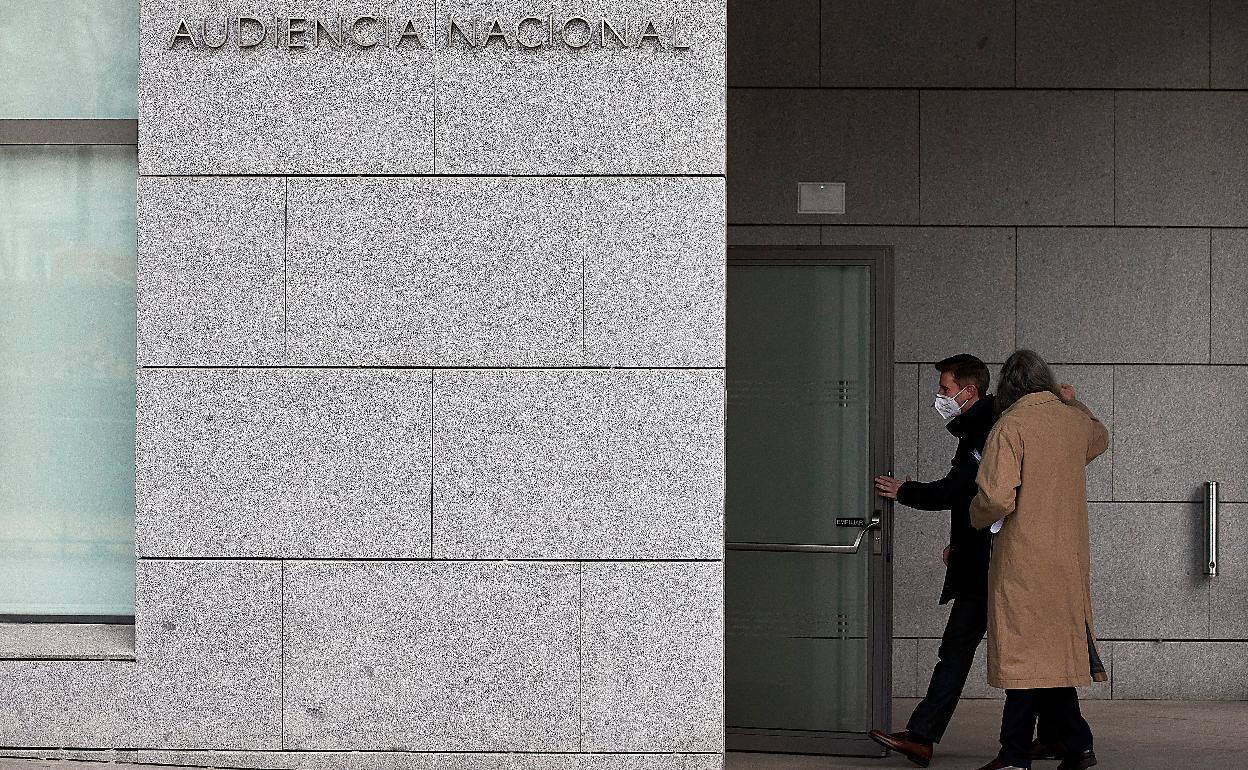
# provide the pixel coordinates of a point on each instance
(1043, 750)
(1081, 761)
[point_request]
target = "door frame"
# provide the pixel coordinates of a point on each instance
(879, 261)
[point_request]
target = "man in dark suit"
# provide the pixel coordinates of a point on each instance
(963, 401)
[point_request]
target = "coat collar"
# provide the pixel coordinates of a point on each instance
(976, 419)
(1033, 399)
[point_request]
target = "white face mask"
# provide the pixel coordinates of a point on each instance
(948, 405)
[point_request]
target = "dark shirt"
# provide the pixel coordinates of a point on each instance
(967, 574)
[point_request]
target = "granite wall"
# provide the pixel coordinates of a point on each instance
(1064, 175)
(430, 410)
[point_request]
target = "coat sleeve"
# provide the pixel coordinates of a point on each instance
(1000, 475)
(940, 495)
(1098, 436)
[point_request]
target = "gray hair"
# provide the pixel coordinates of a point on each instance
(1024, 372)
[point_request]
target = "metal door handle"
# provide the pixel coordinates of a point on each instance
(807, 547)
(1211, 528)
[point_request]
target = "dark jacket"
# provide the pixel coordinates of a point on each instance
(967, 574)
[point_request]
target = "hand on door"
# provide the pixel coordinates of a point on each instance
(887, 486)
(946, 555)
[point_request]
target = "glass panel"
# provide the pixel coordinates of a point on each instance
(67, 363)
(798, 457)
(77, 59)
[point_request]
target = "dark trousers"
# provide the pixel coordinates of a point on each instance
(1058, 706)
(968, 620)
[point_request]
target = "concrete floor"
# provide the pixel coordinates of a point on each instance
(1130, 735)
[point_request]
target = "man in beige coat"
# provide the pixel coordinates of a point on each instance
(1033, 494)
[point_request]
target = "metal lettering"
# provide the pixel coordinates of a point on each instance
(545, 22)
(203, 33)
(183, 31)
(355, 28)
(605, 26)
(453, 26)
(649, 33)
(334, 37)
(292, 30)
(242, 41)
(589, 32)
(530, 32)
(678, 41)
(409, 30)
(495, 31)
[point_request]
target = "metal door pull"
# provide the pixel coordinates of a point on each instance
(807, 547)
(1211, 528)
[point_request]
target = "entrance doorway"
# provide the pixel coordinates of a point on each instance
(808, 561)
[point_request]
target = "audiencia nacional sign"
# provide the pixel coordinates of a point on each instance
(365, 32)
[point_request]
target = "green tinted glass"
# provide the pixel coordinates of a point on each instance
(77, 59)
(67, 363)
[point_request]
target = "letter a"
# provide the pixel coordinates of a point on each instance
(183, 31)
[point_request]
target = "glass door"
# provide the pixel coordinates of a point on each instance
(808, 637)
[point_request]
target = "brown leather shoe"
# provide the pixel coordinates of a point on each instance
(905, 745)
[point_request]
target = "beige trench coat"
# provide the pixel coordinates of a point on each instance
(1040, 631)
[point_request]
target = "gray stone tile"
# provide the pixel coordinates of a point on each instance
(1180, 670)
(905, 663)
(1017, 158)
(1116, 44)
(293, 463)
(1174, 169)
(1146, 581)
(1228, 59)
(1094, 386)
(942, 275)
(775, 235)
(897, 43)
(652, 657)
(919, 538)
(203, 111)
(207, 670)
(905, 420)
(514, 461)
(1178, 427)
(603, 110)
(578, 464)
(398, 271)
(773, 44)
(1228, 591)
(661, 450)
(103, 641)
(655, 296)
(1229, 296)
(866, 139)
(431, 656)
(209, 272)
(1155, 281)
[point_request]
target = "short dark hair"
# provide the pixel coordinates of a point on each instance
(967, 370)
(1024, 372)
